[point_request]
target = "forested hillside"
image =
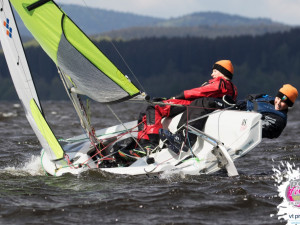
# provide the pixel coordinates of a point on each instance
(212, 19)
(95, 21)
(197, 31)
(166, 66)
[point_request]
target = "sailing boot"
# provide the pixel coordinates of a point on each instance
(175, 142)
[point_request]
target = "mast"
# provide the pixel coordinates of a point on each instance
(79, 107)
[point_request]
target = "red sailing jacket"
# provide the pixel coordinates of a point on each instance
(215, 88)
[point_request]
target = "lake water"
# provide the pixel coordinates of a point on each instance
(28, 196)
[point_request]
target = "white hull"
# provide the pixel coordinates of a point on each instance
(239, 132)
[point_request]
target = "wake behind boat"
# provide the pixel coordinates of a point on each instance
(85, 70)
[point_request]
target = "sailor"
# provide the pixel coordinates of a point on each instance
(150, 119)
(274, 110)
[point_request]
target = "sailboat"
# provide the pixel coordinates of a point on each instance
(86, 71)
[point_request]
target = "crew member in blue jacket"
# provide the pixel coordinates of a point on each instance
(274, 110)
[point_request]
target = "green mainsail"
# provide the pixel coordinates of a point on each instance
(90, 70)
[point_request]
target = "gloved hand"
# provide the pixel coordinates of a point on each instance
(158, 99)
(241, 105)
(180, 96)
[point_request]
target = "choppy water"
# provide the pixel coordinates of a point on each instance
(27, 196)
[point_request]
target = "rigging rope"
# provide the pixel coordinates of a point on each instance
(136, 141)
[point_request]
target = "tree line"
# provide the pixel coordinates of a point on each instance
(166, 66)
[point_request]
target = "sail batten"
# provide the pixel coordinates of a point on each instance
(91, 71)
(37, 4)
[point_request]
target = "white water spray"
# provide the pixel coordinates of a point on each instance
(32, 167)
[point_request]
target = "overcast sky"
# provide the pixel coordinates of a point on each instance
(285, 11)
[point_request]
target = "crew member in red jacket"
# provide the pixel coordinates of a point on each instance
(220, 85)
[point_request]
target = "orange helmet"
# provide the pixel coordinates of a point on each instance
(225, 67)
(288, 94)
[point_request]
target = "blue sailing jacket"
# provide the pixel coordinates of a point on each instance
(273, 121)
(264, 105)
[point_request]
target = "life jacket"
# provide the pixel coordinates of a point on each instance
(263, 105)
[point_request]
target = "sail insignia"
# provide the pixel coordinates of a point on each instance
(8, 28)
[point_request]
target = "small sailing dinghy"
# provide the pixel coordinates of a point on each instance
(85, 70)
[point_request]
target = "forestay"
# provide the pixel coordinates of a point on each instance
(91, 72)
